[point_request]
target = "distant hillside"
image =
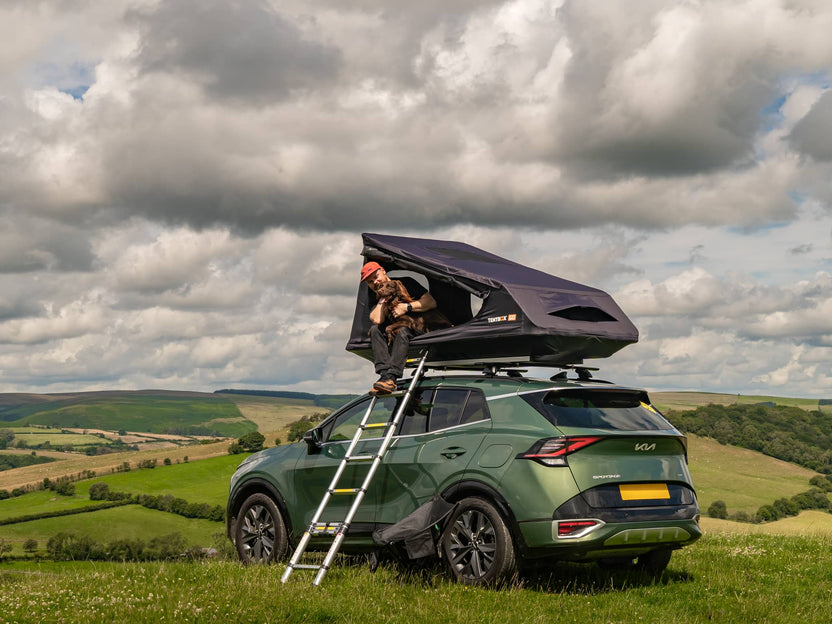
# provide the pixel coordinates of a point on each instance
(154, 411)
(692, 400)
(788, 433)
(329, 401)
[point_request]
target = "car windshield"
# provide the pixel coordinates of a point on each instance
(598, 409)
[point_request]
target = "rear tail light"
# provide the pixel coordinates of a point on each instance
(576, 528)
(553, 451)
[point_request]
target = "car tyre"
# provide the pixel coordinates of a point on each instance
(477, 544)
(259, 531)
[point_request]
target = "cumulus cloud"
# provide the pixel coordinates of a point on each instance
(812, 135)
(183, 184)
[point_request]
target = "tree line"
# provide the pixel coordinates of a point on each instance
(789, 433)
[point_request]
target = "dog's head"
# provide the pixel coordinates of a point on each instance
(387, 290)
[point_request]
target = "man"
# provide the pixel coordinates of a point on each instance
(390, 360)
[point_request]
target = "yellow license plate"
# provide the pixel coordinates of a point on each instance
(644, 491)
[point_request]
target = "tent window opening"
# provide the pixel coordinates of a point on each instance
(583, 313)
(455, 303)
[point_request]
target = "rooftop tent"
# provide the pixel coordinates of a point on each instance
(526, 317)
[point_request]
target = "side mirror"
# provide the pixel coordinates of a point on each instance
(313, 440)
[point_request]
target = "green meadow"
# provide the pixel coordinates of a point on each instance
(744, 479)
(774, 572)
(148, 411)
(204, 481)
(722, 578)
(107, 525)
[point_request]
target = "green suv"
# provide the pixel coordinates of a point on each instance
(563, 469)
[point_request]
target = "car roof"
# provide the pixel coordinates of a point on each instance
(502, 384)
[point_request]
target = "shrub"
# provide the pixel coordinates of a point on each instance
(718, 509)
(126, 550)
(4, 548)
(252, 442)
(298, 428)
(768, 513)
(99, 491)
(166, 547)
(74, 547)
(64, 487)
(821, 482)
(786, 507)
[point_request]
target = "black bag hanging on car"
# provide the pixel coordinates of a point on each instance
(417, 529)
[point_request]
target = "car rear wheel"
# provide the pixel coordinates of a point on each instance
(259, 531)
(477, 544)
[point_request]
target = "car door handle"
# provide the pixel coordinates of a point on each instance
(453, 452)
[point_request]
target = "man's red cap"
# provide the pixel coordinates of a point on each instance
(368, 269)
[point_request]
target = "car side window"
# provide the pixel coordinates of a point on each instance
(345, 424)
(448, 404)
(415, 418)
(475, 408)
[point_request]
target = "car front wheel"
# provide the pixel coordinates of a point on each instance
(477, 544)
(259, 531)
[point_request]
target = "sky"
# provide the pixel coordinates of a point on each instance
(184, 184)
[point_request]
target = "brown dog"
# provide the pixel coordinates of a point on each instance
(394, 293)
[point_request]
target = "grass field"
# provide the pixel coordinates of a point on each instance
(43, 501)
(692, 400)
(74, 463)
(147, 411)
(812, 522)
(273, 415)
(722, 578)
(106, 525)
(744, 479)
(203, 481)
(56, 438)
(197, 482)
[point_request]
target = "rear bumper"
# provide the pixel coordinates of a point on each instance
(617, 531)
(608, 539)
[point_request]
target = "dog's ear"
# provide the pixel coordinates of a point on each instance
(402, 292)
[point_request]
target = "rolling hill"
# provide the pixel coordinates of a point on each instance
(743, 478)
(152, 411)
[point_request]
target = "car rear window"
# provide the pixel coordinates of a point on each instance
(598, 409)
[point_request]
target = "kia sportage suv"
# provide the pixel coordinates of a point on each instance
(564, 469)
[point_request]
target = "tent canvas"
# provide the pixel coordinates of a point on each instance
(526, 316)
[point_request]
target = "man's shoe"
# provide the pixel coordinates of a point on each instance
(384, 386)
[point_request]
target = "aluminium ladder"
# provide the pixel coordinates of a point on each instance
(340, 528)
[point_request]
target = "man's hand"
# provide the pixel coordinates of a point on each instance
(400, 310)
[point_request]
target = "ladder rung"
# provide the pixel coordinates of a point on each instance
(305, 566)
(376, 425)
(354, 458)
(345, 491)
(325, 528)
